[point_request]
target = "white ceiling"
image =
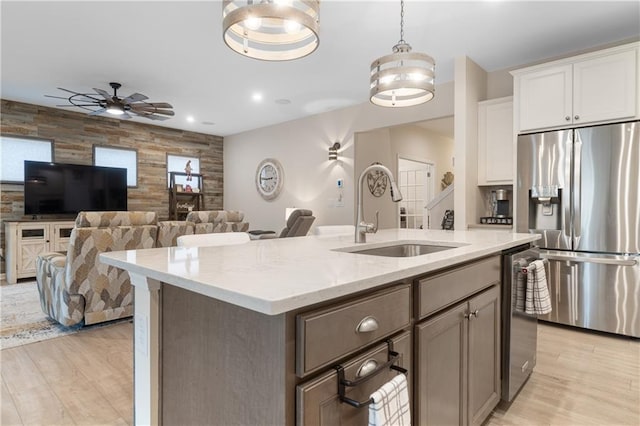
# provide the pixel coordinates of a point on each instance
(172, 51)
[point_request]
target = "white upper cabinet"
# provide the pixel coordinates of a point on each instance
(545, 98)
(495, 142)
(605, 88)
(591, 88)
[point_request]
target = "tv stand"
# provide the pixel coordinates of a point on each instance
(26, 240)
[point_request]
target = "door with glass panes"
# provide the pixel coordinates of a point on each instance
(415, 179)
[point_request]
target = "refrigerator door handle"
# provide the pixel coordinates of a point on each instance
(566, 200)
(577, 188)
(618, 261)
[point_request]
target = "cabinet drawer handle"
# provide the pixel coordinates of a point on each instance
(367, 325)
(576, 117)
(568, 117)
(343, 383)
(367, 367)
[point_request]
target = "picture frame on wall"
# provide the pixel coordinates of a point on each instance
(177, 163)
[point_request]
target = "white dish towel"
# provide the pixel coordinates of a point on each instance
(537, 299)
(390, 406)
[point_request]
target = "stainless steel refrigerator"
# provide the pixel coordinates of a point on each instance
(578, 189)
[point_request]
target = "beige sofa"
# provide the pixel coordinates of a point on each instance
(206, 222)
(77, 288)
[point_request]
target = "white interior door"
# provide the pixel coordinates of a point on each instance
(415, 179)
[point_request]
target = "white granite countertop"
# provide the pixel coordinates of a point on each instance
(274, 276)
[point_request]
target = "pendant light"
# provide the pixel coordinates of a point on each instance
(403, 78)
(271, 30)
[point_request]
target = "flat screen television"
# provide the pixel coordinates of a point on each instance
(66, 189)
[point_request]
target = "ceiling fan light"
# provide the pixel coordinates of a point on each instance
(115, 109)
(288, 28)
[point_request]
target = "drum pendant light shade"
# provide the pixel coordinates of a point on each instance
(403, 78)
(271, 30)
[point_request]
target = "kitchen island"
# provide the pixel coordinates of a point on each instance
(245, 334)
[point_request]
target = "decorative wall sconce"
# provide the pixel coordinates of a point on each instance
(333, 151)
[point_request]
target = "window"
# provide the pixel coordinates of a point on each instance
(15, 150)
(118, 157)
(176, 163)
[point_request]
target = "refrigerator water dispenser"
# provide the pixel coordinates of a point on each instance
(544, 207)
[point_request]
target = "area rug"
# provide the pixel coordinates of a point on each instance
(21, 318)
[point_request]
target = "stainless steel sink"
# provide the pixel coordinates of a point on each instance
(402, 250)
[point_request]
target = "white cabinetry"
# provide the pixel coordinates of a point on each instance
(591, 88)
(495, 142)
(25, 241)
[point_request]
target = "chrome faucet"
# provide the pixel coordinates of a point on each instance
(362, 227)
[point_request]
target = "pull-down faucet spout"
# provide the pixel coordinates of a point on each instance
(362, 227)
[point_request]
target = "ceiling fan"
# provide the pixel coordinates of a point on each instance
(102, 101)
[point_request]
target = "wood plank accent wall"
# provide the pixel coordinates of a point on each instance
(74, 134)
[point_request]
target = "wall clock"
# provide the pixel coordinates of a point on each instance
(269, 178)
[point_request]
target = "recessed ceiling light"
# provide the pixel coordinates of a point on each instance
(283, 101)
(257, 97)
(190, 119)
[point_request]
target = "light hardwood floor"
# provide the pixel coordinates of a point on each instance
(83, 378)
(581, 378)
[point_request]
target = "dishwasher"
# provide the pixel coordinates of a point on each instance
(519, 330)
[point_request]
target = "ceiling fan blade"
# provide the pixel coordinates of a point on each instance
(70, 91)
(78, 105)
(146, 109)
(157, 117)
(151, 105)
(86, 95)
(167, 112)
(162, 111)
(143, 107)
(160, 104)
(150, 115)
(57, 97)
(98, 111)
(104, 93)
(136, 97)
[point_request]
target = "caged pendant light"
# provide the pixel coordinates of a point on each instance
(271, 30)
(403, 78)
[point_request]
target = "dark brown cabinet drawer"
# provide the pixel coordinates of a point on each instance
(326, 335)
(317, 401)
(444, 289)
